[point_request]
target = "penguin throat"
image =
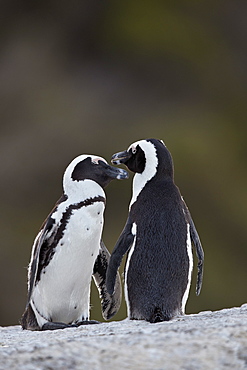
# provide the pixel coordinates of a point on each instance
(84, 189)
(140, 179)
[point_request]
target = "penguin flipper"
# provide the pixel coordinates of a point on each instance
(122, 246)
(40, 250)
(33, 267)
(200, 255)
(28, 320)
(198, 247)
(48, 226)
(110, 304)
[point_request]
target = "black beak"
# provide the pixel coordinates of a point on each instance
(114, 172)
(121, 157)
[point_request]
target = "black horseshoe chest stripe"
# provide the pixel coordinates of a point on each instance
(67, 214)
(48, 248)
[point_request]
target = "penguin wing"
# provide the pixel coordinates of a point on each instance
(198, 247)
(109, 304)
(122, 246)
(200, 255)
(42, 248)
(35, 260)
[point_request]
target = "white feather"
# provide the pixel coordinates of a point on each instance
(140, 179)
(190, 256)
(133, 230)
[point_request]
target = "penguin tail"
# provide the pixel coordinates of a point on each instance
(159, 316)
(28, 320)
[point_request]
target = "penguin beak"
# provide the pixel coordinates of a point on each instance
(114, 172)
(121, 157)
(121, 174)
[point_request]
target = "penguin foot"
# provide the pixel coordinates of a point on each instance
(87, 322)
(159, 316)
(57, 325)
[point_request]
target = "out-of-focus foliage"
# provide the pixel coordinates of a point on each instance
(92, 77)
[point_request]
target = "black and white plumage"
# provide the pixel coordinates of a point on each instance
(157, 237)
(68, 251)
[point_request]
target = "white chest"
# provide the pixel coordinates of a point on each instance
(63, 292)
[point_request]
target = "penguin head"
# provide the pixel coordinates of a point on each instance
(91, 167)
(146, 155)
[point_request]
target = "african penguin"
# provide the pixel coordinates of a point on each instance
(157, 237)
(68, 251)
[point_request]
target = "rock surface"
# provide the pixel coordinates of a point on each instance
(208, 340)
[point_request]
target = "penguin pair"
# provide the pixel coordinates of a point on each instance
(157, 236)
(69, 250)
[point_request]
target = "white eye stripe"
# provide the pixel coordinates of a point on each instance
(140, 179)
(133, 148)
(96, 160)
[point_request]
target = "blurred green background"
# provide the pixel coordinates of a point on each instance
(94, 76)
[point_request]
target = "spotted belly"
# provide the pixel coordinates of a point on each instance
(63, 291)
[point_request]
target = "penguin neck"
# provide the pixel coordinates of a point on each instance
(83, 189)
(140, 179)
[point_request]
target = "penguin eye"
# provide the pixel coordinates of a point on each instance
(133, 150)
